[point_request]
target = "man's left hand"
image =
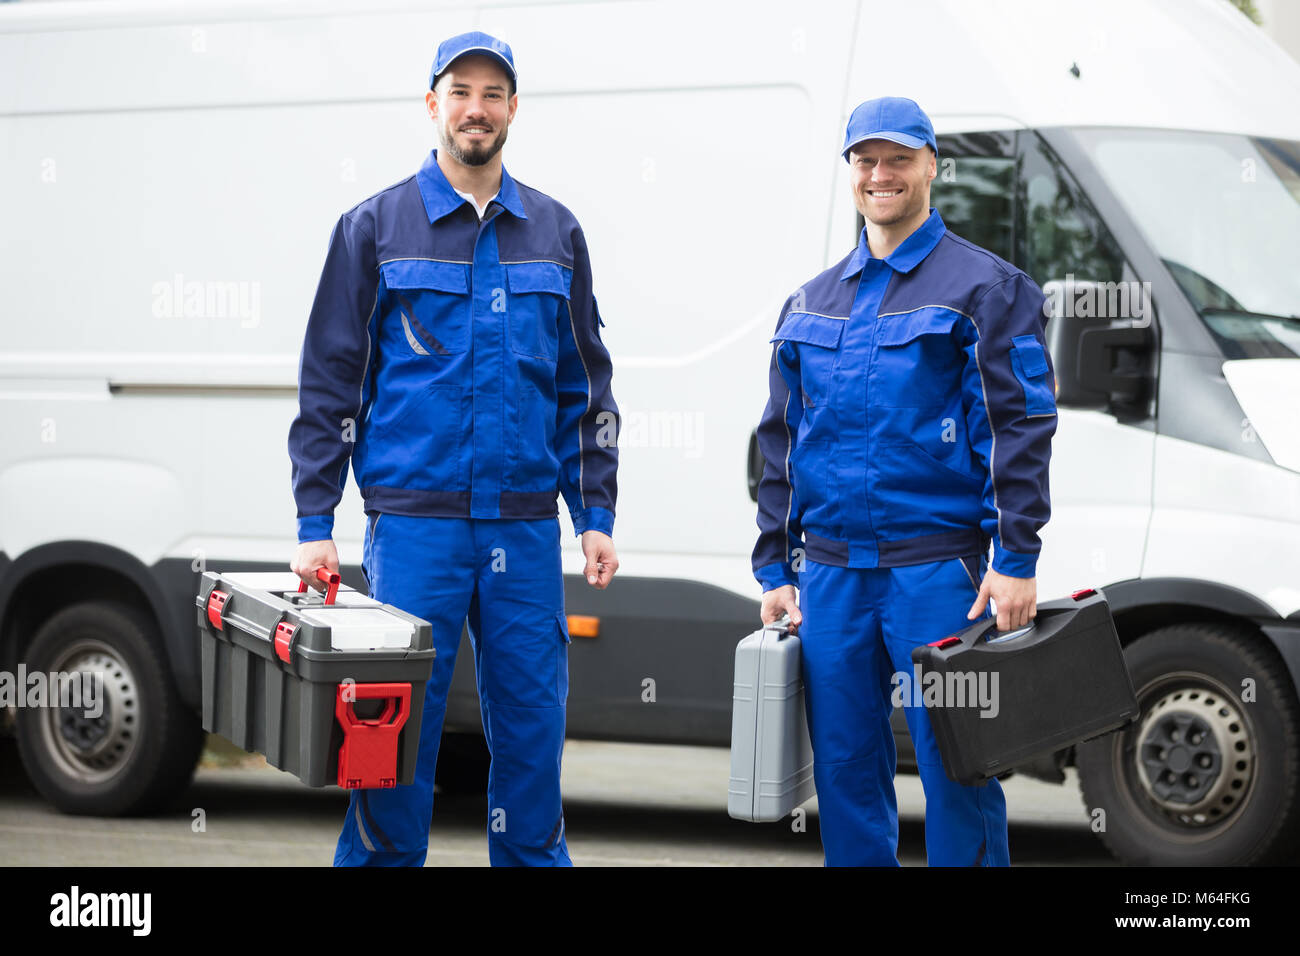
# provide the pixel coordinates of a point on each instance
(1016, 600)
(602, 561)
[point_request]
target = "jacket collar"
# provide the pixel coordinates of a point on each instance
(909, 253)
(440, 199)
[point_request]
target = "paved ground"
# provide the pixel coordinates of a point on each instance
(625, 805)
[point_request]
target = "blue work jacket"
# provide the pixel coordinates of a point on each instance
(911, 412)
(456, 363)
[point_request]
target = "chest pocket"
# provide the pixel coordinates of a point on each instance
(815, 341)
(919, 360)
(431, 301)
(539, 292)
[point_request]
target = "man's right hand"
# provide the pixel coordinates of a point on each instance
(780, 601)
(312, 555)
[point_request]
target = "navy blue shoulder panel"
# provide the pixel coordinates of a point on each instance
(956, 275)
(397, 220)
(547, 234)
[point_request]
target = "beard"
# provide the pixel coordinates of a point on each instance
(902, 214)
(478, 154)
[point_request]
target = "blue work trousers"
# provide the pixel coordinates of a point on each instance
(859, 628)
(504, 577)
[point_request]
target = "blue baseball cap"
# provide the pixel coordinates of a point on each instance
(894, 118)
(474, 42)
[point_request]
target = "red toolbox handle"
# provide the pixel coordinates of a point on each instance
(368, 757)
(331, 578)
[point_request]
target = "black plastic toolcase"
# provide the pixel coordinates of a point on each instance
(1061, 682)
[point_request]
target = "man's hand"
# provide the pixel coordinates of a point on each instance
(780, 601)
(1016, 600)
(312, 555)
(602, 560)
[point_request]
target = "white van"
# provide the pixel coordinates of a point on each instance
(171, 175)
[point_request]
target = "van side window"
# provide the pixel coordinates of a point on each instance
(1008, 192)
(1058, 232)
(974, 189)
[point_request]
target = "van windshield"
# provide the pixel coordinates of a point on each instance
(1223, 212)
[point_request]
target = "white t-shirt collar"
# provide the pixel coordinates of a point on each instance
(469, 197)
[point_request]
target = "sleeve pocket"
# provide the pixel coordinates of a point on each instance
(1029, 362)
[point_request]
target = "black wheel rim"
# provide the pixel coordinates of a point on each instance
(1190, 762)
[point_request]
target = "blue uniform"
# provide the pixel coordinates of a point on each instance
(909, 426)
(456, 363)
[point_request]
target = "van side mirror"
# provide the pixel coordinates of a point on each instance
(1109, 363)
(1101, 339)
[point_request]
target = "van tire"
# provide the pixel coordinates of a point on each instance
(141, 750)
(1196, 713)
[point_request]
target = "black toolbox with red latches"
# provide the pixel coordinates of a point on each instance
(329, 687)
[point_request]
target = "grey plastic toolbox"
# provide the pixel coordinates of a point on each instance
(328, 687)
(771, 754)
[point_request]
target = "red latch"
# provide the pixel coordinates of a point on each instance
(331, 579)
(283, 639)
(368, 757)
(216, 604)
(945, 642)
(1083, 593)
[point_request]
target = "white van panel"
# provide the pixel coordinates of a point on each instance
(1100, 485)
(133, 505)
(1013, 58)
(217, 54)
(1226, 518)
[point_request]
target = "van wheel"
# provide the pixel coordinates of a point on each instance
(1209, 773)
(135, 747)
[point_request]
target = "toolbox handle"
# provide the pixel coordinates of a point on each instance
(1053, 617)
(331, 579)
(368, 757)
(1040, 628)
(1013, 635)
(781, 625)
(392, 694)
(1047, 624)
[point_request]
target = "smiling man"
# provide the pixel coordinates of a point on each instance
(453, 355)
(908, 427)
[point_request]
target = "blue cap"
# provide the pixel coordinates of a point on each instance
(474, 42)
(894, 118)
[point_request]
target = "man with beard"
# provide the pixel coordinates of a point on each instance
(909, 426)
(453, 354)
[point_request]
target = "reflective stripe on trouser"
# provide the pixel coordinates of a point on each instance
(504, 576)
(859, 628)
